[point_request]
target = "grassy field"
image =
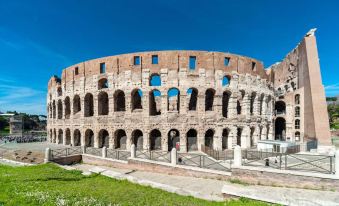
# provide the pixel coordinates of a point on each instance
(49, 184)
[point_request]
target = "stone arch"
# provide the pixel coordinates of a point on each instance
(89, 107)
(173, 99)
(60, 136)
(225, 136)
(89, 138)
(120, 138)
(138, 139)
(209, 99)
(226, 80)
(76, 104)
(192, 140)
(119, 101)
(280, 107)
(68, 136)
(239, 133)
(225, 102)
(154, 102)
(240, 99)
(103, 103)
(103, 83)
(103, 138)
(209, 134)
(59, 91)
(136, 98)
(60, 109)
(77, 137)
(252, 99)
(155, 80)
(155, 140)
(192, 94)
(280, 128)
(67, 108)
(173, 138)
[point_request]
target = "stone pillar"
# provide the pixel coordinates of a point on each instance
(217, 108)
(232, 105)
(104, 152)
(48, 155)
(111, 140)
(264, 107)
(245, 105)
(217, 140)
(245, 137)
(133, 151)
(128, 140)
(96, 139)
(183, 142)
(173, 157)
(72, 138)
(256, 136)
(83, 136)
(64, 137)
(146, 142)
(232, 137)
(263, 132)
(256, 105)
(237, 156)
(336, 163)
(71, 107)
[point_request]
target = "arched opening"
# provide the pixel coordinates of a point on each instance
(89, 110)
(68, 136)
(297, 112)
(238, 107)
(155, 140)
(51, 135)
(59, 91)
(89, 138)
(77, 137)
(103, 139)
(280, 128)
(76, 104)
(209, 99)
(192, 140)
(120, 139)
(297, 124)
(60, 136)
(60, 109)
(297, 99)
(226, 80)
(224, 143)
(297, 136)
(239, 133)
(102, 83)
(54, 136)
(240, 99)
(192, 94)
(252, 136)
(136, 97)
(173, 139)
(173, 103)
(119, 101)
(155, 102)
(155, 80)
(50, 110)
(280, 107)
(103, 103)
(261, 100)
(209, 138)
(253, 95)
(225, 101)
(54, 110)
(67, 108)
(138, 139)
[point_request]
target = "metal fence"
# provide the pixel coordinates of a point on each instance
(154, 155)
(93, 151)
(202, 161)
(64, 152)
(218, 155)
(118, 154)
(285, 161)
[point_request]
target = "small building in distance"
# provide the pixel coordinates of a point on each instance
(16, 125)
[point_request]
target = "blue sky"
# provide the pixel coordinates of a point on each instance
(40, 38)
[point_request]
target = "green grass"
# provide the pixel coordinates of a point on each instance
(49, 184)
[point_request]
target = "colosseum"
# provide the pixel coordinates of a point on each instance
(186, 99)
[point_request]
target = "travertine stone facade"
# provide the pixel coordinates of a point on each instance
(165, 99)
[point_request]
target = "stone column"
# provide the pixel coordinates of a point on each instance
(48, 155)
(237, 156)
(133, 151)
(164, 140)
(217, 140)
(245, 105)
(71, 107)
(173, 157)
(146, 137)
(96, 139)
(111, 140)
(232, 105)
(263, 132)
(183, 141)
(72, 137)
(128, 140)
(83, 136)
(245, 137)
(256, 105)
(256, 136)
(217, 108)
(264, 107)
(232, 137)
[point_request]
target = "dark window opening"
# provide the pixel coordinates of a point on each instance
(154, 59)
(225, 101)
(155, 102)
(192, 142)
(209, 138)
(225, 139)
(192, 94)
(103, 139)
(136, 60)
(76, 71)
(102, 68)
(226, 61)
(103, 84)
(137, 139)
(103, 103)
(155, 80)
(209, 99)
(119, 101)
(173, 100)
(254, 66)
(173, 139)
(192, 62)
(120, 139)
(155, 140)
(136, 99)
(89, 109)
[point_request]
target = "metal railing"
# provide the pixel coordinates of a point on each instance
(155, 155)
(218, 155)
(118, 154)
(93, 151)
(202, 161)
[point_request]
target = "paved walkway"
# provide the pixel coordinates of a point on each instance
(215, 189)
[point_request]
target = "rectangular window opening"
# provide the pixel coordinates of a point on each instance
(192, 62)
(226, 61)
(76, 71)
(136, 60)
(102, 68)
(154, 59)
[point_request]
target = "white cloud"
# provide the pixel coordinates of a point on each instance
(332, 89)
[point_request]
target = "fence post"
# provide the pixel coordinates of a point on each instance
(237, 156)
(133, 151)
(336, 163)
(84, 150)
(48, 155)
(104, 152)
(174, 156)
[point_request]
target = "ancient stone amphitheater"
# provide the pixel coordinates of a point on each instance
(160, 100)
